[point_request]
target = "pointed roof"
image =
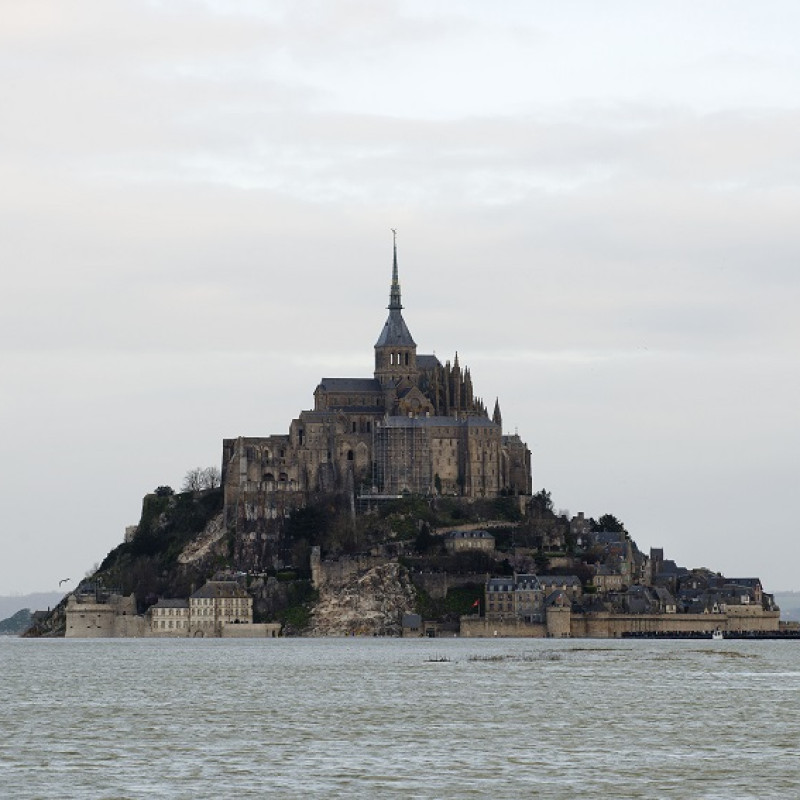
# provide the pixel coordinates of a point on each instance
(497, 416)
(394, 292)
(395, 331)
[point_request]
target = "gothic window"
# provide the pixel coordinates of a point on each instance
(406, 359)
(349, 455)
(355, 427)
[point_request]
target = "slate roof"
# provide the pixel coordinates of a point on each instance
(557, 598)
(500, 584)
(664, 596)
(670, 568)
(609, 537)
(437, 421)
(560, 580)
(479, 534)
(750, 583)
(395, 332)
(428, 362)
(220, 589)
(171, 602)
(528, 582)
(363, 385)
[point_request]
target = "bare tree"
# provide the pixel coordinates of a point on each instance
(211, 478)
(193, 482)
(201, 478)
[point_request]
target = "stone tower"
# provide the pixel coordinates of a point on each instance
(395, 350)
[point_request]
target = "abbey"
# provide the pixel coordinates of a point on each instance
(414, 427)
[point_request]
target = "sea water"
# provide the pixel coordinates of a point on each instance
(399, 718)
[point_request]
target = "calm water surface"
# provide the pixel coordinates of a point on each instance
(379, 718)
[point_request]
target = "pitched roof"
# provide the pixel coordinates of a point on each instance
(560, 580)
(171, 602)
(220, 589)
(437, 422)
(477, 534)
(557, 598)
(428, 362)
(363, 385)
(530, 582)
(395, 331)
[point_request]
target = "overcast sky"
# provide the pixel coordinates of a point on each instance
(597, 205)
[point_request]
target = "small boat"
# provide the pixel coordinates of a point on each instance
(716, 634)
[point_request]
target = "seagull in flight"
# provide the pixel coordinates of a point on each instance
(64, 580)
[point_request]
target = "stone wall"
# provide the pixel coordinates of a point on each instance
(437, 584)
(475, 626)
(341, 570)
(86, 618)
(603, 625)
(255, 630)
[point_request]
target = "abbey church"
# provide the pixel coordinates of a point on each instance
(414, 427)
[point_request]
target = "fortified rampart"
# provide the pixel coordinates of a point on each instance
(605, 625)
(116, 616)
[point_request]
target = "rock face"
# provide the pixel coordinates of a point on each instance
(205, 543)
(371, 603)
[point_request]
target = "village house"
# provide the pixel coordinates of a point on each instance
(461, 541)
(607, 579)
(570, 584)
(515, 597)
(169, 617)
(216, 604)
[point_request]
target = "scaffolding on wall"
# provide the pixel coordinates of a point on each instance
(401, 457)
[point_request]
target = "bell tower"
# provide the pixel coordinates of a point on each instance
(395, 350)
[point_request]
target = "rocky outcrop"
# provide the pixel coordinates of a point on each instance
(370, 603)
(204, 544)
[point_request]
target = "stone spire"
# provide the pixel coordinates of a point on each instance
(394, 292)
(497, 417)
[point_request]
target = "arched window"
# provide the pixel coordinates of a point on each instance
(349, 455)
